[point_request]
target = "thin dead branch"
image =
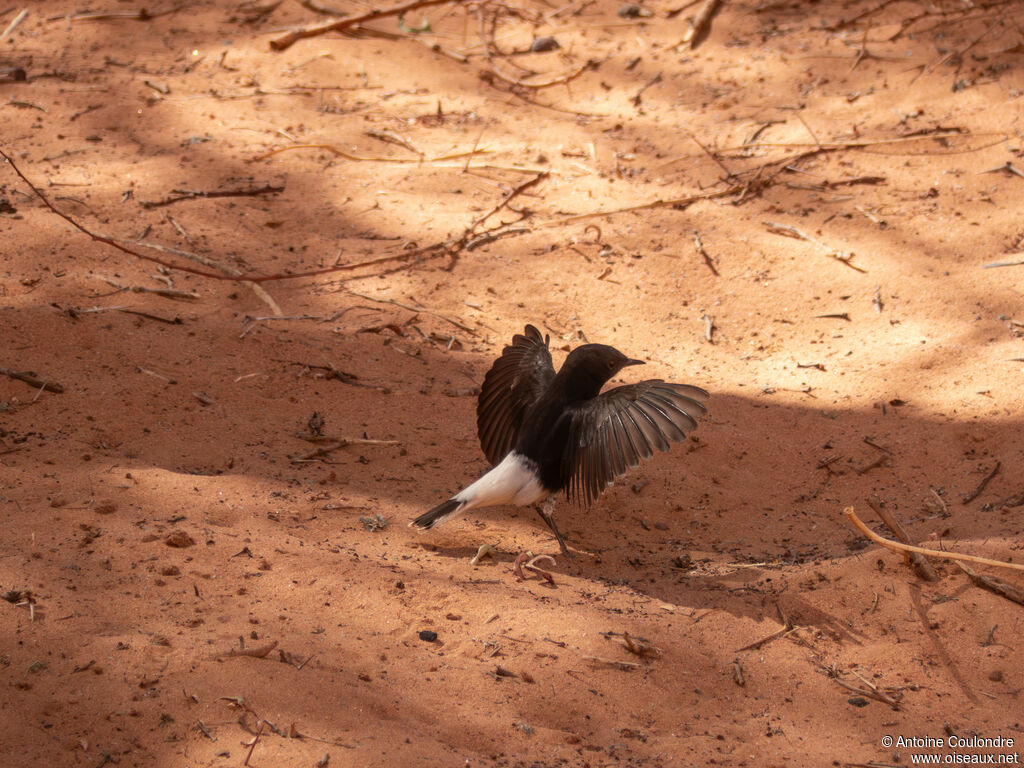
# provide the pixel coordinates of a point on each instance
(343, 376)
(841, 256)
(140, 15)
(326, 10)
(835, 146)
(998, 586)
(917, 561)
(625, 666)
(14, 24)
(676, 202)
(764, 175)
(699, 245)
(331, 444)
(167, 293)
(968, 498)
(33, 380)
(787, 627)
(72, 312)
(896, 546)
(700, 27)
(871, 693)
(412, 308)
(178, 195)
(450, 246)
(514, 193)
(289, 38)
(374, 158)
(490, 49)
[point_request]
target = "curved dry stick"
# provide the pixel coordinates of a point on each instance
(701, 25)
(675, 201)
(514, 81)
(588, 64)
(831, 146)
(108, 240)
(896, 546)
(234, 276)
(342, 153)
(285, 40)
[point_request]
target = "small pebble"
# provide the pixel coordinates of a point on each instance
(857, 701)
(428, 635)
(179, 539)
(544, 44)
(634, 11)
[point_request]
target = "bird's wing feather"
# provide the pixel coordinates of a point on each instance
(612, 432)
(513, 384)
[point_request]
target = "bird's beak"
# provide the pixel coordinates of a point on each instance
(633, 362)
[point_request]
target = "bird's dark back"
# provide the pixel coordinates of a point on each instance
(546, 426)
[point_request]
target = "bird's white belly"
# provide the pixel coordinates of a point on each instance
(513, 481)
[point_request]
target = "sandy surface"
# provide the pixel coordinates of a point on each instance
(166, 509)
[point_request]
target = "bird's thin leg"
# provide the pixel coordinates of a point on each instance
(546, 514)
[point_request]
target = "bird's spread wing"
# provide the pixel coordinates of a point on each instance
(612, 432)
(514, 382)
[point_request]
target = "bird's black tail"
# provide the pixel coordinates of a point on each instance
(438, 514)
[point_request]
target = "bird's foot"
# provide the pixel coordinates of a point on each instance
(546, 514)
(565, 549)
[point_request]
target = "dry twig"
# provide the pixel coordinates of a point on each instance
(330, 444)
(998, 586)
(128, 311)
(968, 498)
(374, 158)
(840, 256)
(287, 39)
(32, 380)
(140, 15)
(529, 561)
(411, 256)
(14, 24)
(920, 565)
(787, 627)
(177, 195)
(625, 666)
(167, 293)
(871, 693)
(701, 25)
(896, 546)
(318, 7)
(699, 245)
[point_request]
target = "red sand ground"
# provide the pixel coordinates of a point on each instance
(899, 378)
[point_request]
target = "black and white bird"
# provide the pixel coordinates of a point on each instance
(546, 432)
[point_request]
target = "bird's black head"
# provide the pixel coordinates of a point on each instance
(587, 368)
